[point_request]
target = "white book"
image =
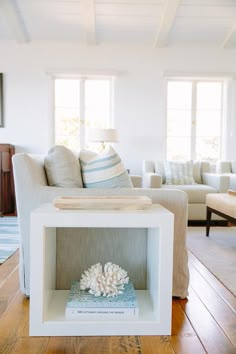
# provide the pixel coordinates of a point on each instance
(81, 303)
(72, 313)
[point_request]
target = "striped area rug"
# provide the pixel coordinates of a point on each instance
(9, 237)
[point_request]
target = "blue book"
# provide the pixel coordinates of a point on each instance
(81, 302)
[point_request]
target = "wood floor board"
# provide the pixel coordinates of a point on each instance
(8, 291)
(187, 345)
(13, 322)
(7, 345)
(32, 345)
(87, 345)
(183, 337)
(25, 332)
(156, 345)
(63, 345)
(219, 309)
(8, 267)
(208, 330)
(125, 344)
(203, 323)
(180, 322)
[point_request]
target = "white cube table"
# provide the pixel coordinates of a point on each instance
(47, 304)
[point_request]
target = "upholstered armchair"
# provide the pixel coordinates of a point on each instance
(32, 189)
(228, 168)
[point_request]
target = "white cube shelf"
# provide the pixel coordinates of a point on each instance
(47, 304)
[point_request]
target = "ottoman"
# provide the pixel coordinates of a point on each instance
(222, 204)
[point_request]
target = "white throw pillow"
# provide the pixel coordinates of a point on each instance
(197, 172)
(104, 170)
(62, 168)
(179, 172)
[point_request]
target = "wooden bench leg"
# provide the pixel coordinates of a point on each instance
(208, 221)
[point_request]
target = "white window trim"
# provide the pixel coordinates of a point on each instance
(194, 78)
(83, 73)
(178, 75)
(70, 75)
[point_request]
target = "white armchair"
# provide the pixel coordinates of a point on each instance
(205, 181)
(228, 168)
(32, 189)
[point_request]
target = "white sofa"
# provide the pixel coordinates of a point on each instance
(206, 181)
(32, 190)
(228, 168)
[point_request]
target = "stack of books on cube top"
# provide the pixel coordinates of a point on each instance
(81, 303)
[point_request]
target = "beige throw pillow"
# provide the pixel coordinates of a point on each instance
(62, 168)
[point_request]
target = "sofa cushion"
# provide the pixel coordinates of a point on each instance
(196, 192)
(104, 170)
(197, 171)
(62, 168)
(223, 166)
(178, 172)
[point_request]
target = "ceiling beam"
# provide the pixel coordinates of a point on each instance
(166, 23)
(88, 20)
(229, 34)
(15, 20)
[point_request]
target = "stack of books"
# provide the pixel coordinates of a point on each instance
(81, 303)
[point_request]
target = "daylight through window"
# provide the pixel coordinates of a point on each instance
(194, 119)
(81, 104)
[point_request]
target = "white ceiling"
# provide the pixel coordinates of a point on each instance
(159, 23)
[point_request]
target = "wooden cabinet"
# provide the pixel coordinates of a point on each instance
(7, 193)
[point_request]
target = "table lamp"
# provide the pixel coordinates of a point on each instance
(103, 136)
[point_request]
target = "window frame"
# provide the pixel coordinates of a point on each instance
(82, 79)
(195, 80)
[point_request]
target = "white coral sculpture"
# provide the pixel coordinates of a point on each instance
(109, 282)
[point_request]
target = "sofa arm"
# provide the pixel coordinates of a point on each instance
(152, 180)
(147, 166)
(232, 179)
(136, 181)
(223, 167)
(218, 181)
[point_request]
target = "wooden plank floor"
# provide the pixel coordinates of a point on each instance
(203, 323)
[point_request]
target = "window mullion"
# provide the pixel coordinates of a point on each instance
(223, 121)
(193, 120)
(82, 114)
(111, 120)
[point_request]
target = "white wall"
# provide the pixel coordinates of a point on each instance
(139, 92)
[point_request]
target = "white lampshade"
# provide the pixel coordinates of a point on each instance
(103, 135)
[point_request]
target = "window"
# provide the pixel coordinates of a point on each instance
(80, 104)
(194, 119)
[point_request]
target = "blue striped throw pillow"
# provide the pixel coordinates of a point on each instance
(104, 170)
